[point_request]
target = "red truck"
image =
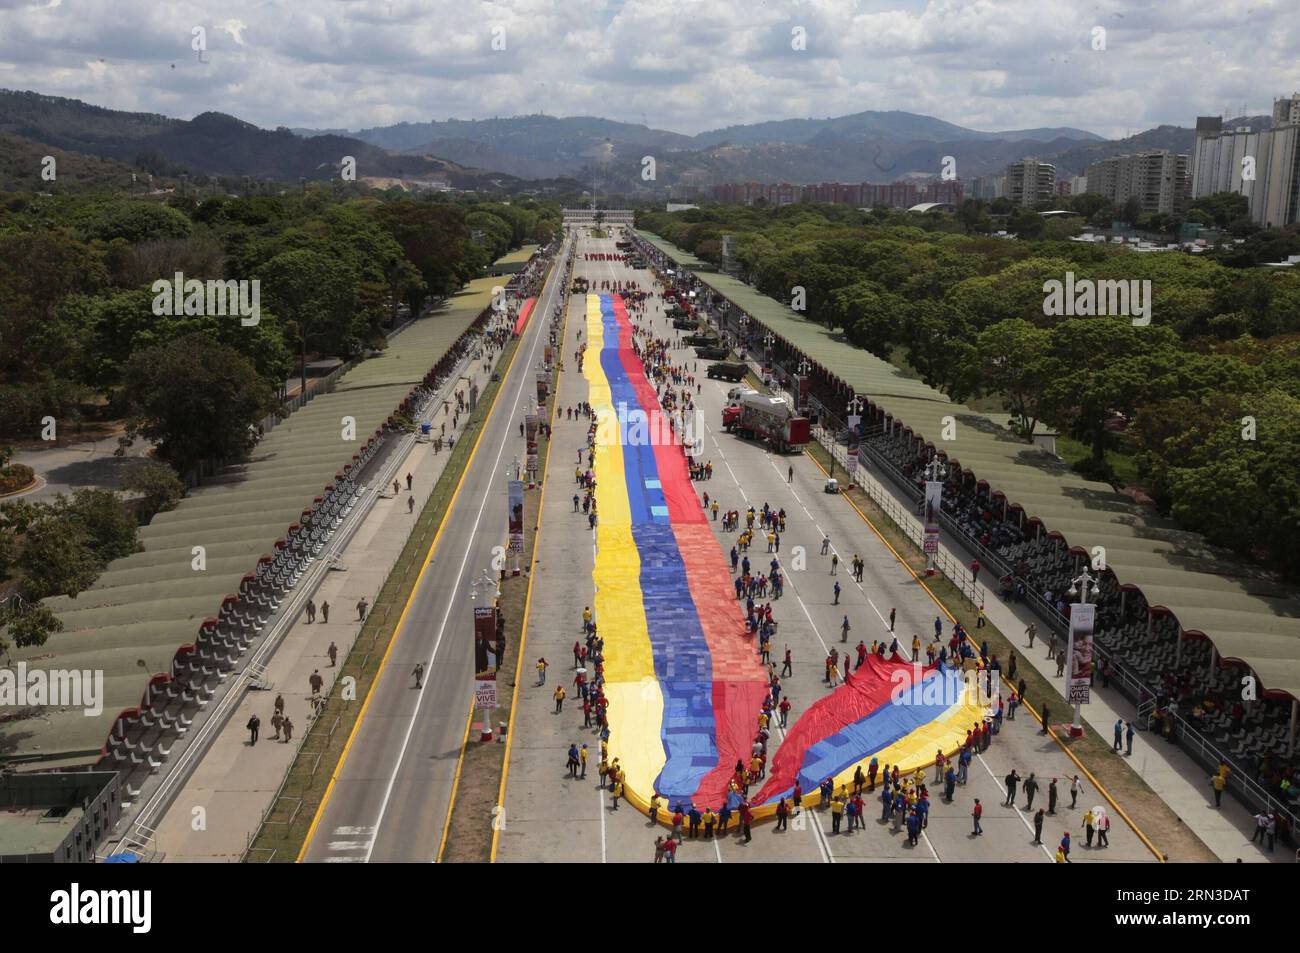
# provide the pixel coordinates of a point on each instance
(769, 419)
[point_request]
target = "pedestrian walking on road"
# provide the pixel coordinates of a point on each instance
(408, 481)
(333, 651)
(826, 545)
(276, 721)
(787, 666)
(559, 698)
(541, 672)
(410, 504)
(789, 475)
(1031, 630)
(1119, 736)
(892, 615)
(316, 681)
(1129, 732)
(288, 729)
(1013, 782)
(1076, 788)
(1031, 788)
(1046, 715)
(311, 612)
(1038, 826)
(418, 672)
(976, 813)
(844, 630)
(837, 594)
(1051, 797)
(835, 563)
(325, 612)
(362, 606)
(253, 724)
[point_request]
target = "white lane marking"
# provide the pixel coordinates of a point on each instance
(460, 572)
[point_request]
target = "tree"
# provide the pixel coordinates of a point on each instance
(158, 484)
(1012, 362)
(57, 559)
(26, 623)
(196, 399)
(308, 290)
(111, 531)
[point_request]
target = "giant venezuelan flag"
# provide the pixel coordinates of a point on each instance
(684, 682)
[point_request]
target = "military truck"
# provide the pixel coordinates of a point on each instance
(727, 371)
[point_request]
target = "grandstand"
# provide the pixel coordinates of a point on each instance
(165, 635)
(1180, 621)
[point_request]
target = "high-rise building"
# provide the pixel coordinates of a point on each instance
(1263, 166)
(1078, 185)
(1030, 180)
(1158, 179)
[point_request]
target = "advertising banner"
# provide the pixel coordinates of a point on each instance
(543, 386)
(1082, 619)
(530, 434)
(485, 658)
(515, 501)
(933, 502)
(930, 545)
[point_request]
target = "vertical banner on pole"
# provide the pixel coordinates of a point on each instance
(485, 666)
(543, 386)
(515, 498)
(933, 503)
(530, 433)
(1082, 618)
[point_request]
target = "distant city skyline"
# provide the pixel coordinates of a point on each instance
(680, 65)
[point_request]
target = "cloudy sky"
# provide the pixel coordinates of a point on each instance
(684, 65)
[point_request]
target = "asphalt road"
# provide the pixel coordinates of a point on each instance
(390, 801)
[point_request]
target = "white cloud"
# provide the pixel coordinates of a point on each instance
(685, 65)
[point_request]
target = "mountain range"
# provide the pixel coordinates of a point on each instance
(563, 153)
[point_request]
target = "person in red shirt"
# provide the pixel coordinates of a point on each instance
(746, 819)
(670, 850)
(785, 711)
(862, 654)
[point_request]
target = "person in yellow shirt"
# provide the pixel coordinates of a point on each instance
(1219, 782)
(1060, 856)
(710, 819)
(618, 793)
(559, 698)
(654, 808)
(837, 813)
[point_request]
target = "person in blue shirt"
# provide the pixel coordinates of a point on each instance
(963, 765)
(913, 828)
(949, 784)
(886, 803)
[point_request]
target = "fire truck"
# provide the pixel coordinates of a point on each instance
(769, 419)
